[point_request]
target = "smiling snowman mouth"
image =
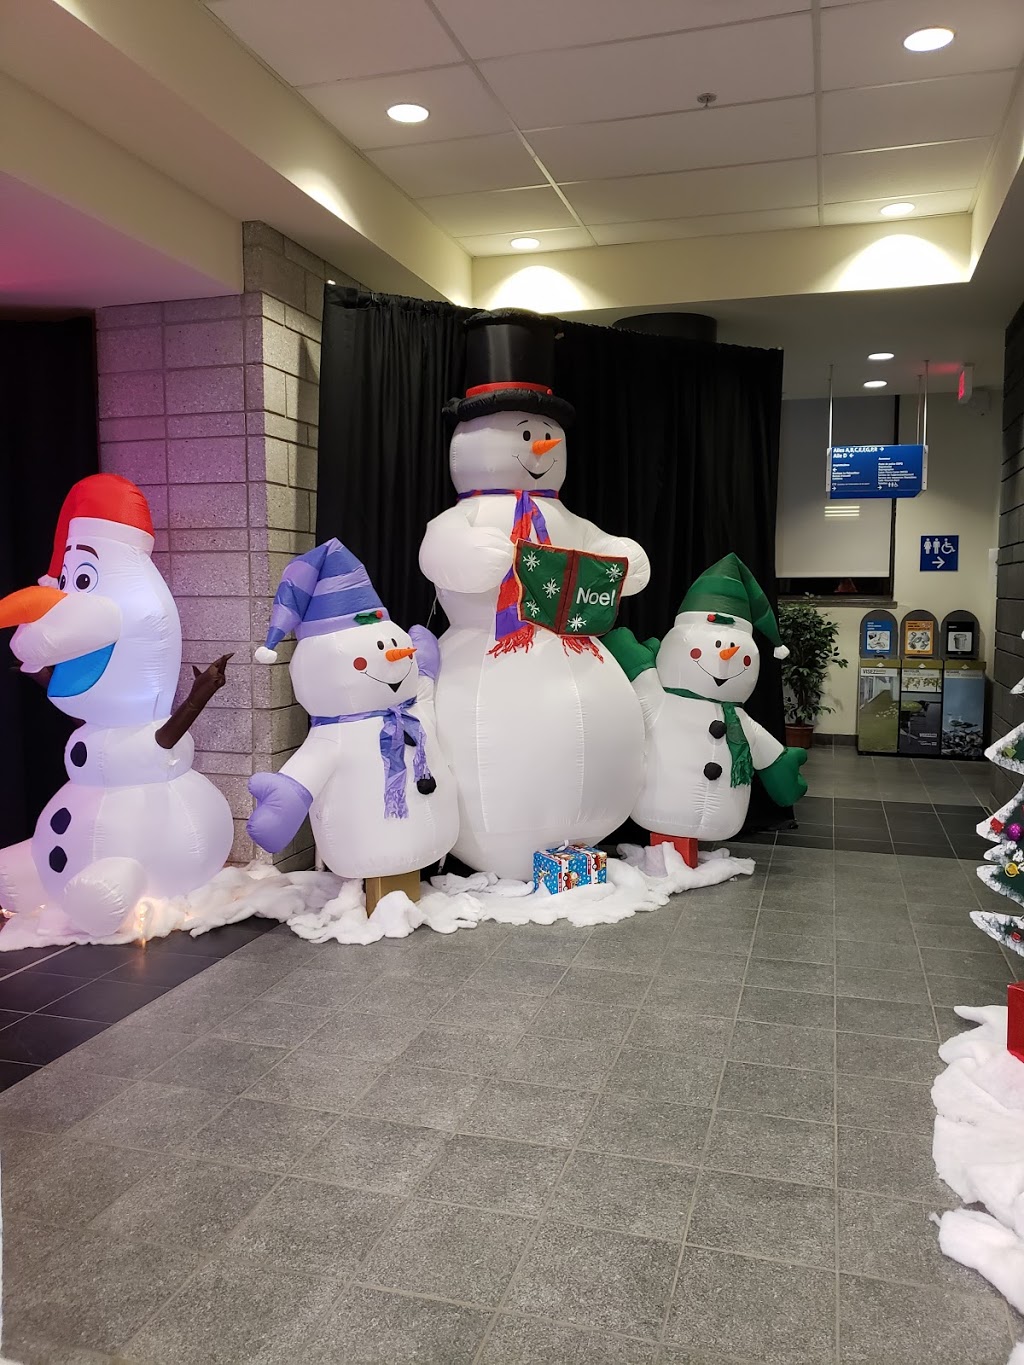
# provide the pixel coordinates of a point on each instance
(75, 676)
(720, 682)
(540, 473)
(393, 685)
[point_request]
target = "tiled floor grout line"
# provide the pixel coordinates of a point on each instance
(535, 1232)
(292, 1173)
(711, 1120)
(835, 1142)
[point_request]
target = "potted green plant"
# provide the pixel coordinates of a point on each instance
(811, 640)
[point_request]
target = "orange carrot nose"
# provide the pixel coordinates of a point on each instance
(28, 604)
(393, 655)
(542, 447)
(727, 654)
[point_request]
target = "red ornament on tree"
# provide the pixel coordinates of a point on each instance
(996, 826)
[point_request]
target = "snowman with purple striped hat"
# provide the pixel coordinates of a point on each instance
(369, 774)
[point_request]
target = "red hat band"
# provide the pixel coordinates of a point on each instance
(506, 384)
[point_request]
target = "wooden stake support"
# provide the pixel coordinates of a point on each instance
(379, 887)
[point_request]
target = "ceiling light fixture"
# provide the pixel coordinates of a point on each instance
(524, 243)
(881, 355)
(331, 282)
(408, 113)
(875, 383)
(896, 210)
(928, 39)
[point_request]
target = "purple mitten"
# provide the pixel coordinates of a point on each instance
(281, 806)
(428, 652)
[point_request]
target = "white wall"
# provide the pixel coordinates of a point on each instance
(964, 457)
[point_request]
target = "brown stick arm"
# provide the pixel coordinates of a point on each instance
(204, 686)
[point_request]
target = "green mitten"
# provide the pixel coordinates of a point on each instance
(782, 780)
(627, 651)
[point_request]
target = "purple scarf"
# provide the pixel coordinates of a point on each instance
(400, 727)
(510, 631)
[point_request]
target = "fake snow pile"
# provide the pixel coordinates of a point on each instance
(319, 906)
(978, 1149)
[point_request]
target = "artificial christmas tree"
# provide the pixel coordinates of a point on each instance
(1004, 872)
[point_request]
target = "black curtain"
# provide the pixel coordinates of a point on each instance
(48, 440)
(675, 443)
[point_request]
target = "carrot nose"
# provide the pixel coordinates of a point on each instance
(393, 655)
(542, 447)
(28, 604)
(727, 654)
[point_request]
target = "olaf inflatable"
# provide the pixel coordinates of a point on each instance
(542, 730)
(370, 774)
(133, 820)
(702, 747)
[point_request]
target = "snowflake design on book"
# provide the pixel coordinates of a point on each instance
(551, 588)
(530, 560)
(533, 609)
(577, 622)
(614, 572)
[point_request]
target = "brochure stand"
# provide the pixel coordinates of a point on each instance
(963, 691)
(920, 721)
(878, 684)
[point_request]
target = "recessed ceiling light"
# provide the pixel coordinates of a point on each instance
(881, 355)
(875, 383)
(896, 210)
(928, 39)
(331, 282)
(524, 243)
(408, 113)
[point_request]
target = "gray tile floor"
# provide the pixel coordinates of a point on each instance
(698, 1137)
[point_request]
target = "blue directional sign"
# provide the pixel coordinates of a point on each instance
(940, 554)
(877, 471)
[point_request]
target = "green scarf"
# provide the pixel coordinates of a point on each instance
(739, 749)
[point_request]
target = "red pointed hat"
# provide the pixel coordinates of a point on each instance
(102, 497)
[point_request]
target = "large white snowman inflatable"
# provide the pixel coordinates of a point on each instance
(369, 774)
(542, 730)
(702, 747)
(133, 820)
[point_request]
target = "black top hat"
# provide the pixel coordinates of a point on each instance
(509, 363)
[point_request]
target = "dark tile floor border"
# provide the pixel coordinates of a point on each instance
(53, 999)
(921, 829)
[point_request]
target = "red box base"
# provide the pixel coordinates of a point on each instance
(686, 848)
(1015, 1020)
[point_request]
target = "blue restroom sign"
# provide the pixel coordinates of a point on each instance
(940, 554)
(877, 471)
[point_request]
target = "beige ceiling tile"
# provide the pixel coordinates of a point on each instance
(906, 171)
(925, 206)
(552, 239)
(463, 166)
(322, 40)
(942, 110)
(730, 136)
(459, 104)
(734, 189)
(862, 44)
(742, 63)
(505, 211)
(496, 30)
(714, 225)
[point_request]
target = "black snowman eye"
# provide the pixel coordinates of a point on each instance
(380, 644)
(718, 644)
(394, 644)
(526, 435)
(86, 577)
(62, 584)
(732, 644)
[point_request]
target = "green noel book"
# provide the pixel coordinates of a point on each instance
(569, 592)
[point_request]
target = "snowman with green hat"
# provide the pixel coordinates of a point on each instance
(702, 748)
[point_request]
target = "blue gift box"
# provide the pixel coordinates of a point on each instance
(562, 869)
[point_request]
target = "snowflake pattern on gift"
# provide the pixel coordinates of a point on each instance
(533, 608)
(530, 559)
(551, 588)
(614, 572)
(577, 622)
